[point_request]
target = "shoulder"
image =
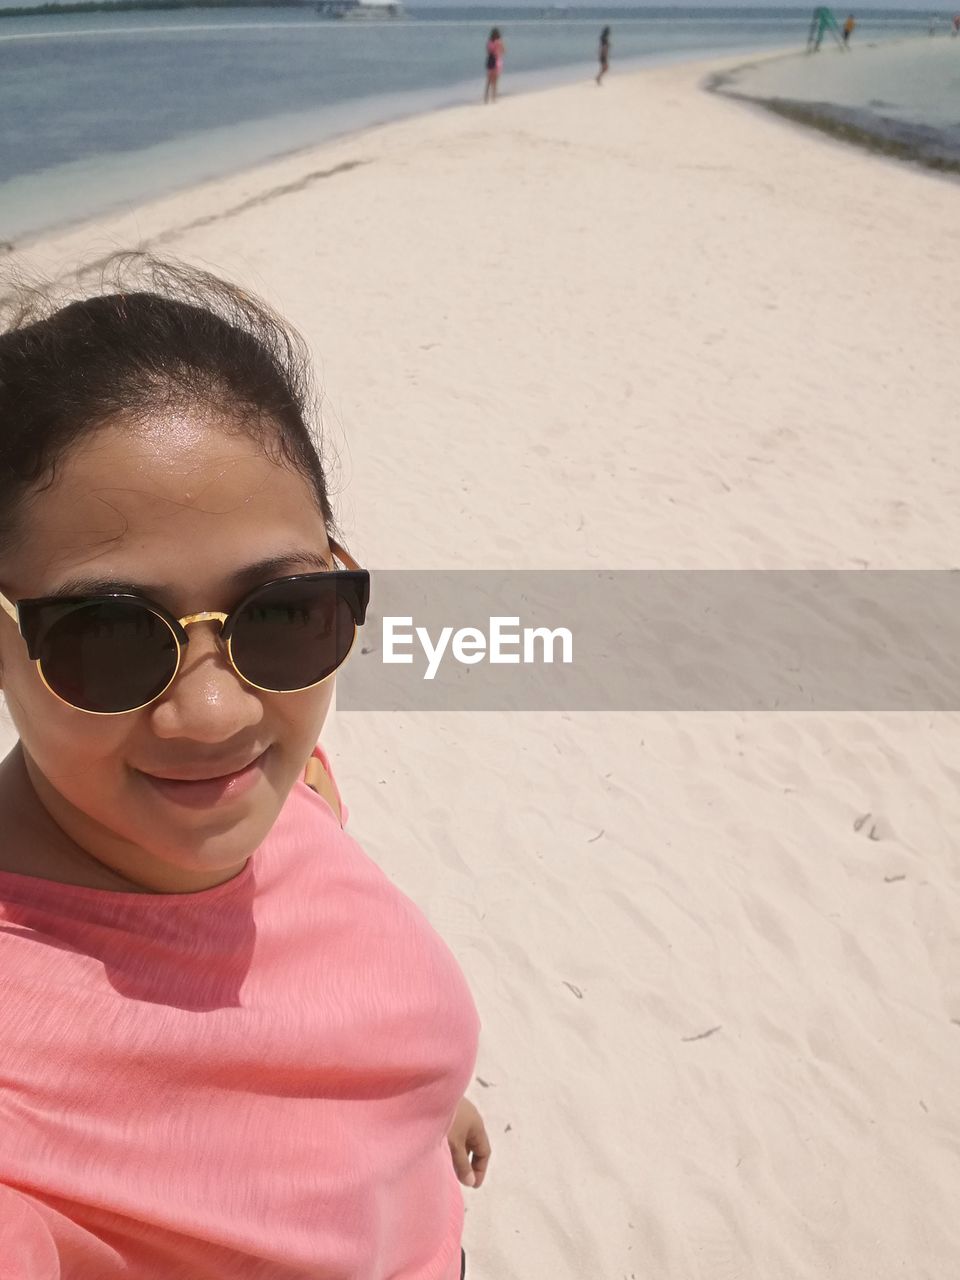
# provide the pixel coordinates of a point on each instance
(318, 776)
(309, 841)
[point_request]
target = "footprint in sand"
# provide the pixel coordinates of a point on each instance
(874, 828)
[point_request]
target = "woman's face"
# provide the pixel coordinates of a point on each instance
(194, 515)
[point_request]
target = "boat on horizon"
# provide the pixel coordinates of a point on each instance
(361, 10)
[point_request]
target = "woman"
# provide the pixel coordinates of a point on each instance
(231, 1048)
(604, 54)
(495, 52)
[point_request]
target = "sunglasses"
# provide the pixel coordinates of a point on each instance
(109, 654)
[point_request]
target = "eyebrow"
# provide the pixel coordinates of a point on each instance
(265, 570)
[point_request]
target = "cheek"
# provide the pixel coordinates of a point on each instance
(25, 695)
(60, 740)
(303, 716)
(296, 722)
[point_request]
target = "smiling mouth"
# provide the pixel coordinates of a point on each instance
(204, 773)
(202, 790)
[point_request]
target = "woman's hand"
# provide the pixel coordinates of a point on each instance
(469, 1145)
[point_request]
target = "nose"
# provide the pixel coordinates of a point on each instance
(207, 702)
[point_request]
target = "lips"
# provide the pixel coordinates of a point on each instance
(205, 786)
(202, 773)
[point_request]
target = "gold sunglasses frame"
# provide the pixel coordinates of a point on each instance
(190, 620)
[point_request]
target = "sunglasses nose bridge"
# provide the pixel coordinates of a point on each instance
(221, 640)
(192, 618)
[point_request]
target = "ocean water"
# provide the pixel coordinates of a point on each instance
(901, 97)
(108, 109)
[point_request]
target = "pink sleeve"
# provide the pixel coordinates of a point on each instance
(27, 1249)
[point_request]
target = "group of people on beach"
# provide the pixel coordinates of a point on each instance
(823, 21)
(496, 50)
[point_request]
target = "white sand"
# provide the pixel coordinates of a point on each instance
(638, 327)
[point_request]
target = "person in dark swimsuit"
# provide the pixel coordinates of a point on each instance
(604, 54)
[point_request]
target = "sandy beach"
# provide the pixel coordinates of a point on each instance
(716, 957)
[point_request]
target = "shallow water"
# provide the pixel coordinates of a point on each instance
(101, 109)
(903, 96)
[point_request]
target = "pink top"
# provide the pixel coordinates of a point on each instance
(253, 1082)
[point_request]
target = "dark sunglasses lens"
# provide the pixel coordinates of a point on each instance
(108, 656)
(292, 635)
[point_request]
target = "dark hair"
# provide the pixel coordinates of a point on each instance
(495, 33)
(605, 33)
(181, 338)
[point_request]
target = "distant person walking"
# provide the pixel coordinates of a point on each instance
(604, 54)
(956, 24)
(824, 21)
(848, 28)
(495, 52)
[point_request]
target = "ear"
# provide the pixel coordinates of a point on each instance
(9, 609)
(343, 556)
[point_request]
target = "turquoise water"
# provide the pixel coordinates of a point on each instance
(101, 110)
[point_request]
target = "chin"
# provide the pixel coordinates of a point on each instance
(210, 840)
(220, 841)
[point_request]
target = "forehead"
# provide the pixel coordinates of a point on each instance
(182, 496)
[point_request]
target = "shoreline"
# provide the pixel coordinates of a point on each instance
(718, 77)
(556, 78)
(918, 145)
(830, 121)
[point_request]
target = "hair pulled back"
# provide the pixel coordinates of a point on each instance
(155, 337)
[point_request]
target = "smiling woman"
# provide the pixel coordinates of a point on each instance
(232, 1048)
